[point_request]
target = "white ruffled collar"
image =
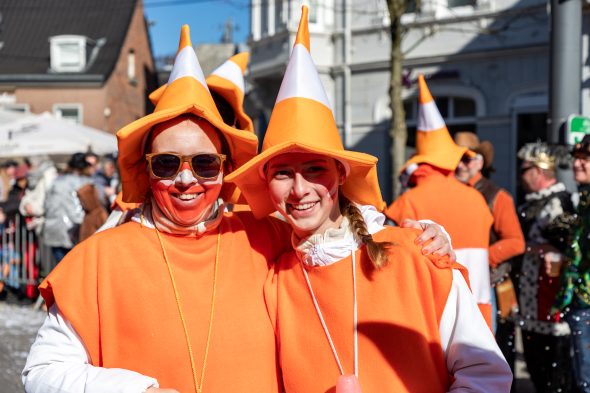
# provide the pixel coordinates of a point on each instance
(322, 249)
(544, 193)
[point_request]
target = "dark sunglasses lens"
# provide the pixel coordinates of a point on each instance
(165, 165)
(207, 165)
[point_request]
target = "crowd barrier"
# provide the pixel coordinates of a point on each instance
(21, 257)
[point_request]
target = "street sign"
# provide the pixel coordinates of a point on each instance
(577, 127)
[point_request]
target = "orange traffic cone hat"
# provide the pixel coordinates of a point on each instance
(434, 144)
(185, 92)
(302, 121)
(227, 80)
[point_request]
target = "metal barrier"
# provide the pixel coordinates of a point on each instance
(20, 256)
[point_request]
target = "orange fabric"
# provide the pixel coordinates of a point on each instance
(123, 206)
(460, 209)
(399, 311)
(423, 91)
(510, 241)
(115, 290)
(302, 36)
(487, 312)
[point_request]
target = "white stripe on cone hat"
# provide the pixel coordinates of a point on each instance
(227, 80)
(434, 144)
(185, 93)
(302, 121)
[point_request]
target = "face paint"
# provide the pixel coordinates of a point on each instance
(185, 201)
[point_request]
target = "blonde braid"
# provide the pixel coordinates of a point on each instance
(378, 251)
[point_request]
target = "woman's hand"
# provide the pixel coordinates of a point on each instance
(440, 242)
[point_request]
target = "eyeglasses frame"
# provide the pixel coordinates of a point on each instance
(185, 158)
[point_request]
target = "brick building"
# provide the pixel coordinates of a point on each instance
(88, 60)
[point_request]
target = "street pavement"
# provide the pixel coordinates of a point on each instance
(18, 328)
(19, 325)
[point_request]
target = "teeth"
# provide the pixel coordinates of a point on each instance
(187, 197)
(303, 206)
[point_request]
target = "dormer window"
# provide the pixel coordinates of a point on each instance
(68, 53)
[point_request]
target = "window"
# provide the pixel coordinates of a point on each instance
(313, 11)
(68, 53)
(459, 114)
(22, 108)
(131, 66)
(460, 3)
(72, 112)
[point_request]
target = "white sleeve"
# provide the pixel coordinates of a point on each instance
(58, 363)
(473, 357)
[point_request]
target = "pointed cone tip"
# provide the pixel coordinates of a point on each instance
(425, 96)
(241, 59)
(185, 38)
(303, 30)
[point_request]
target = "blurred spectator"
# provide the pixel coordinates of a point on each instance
(93, 161)
(95, 213)
(63, 211)
(11, 204)
(106, 181)
(32, 206)
(7, 171)
(573, 298)
(506, 237)
(546, 340)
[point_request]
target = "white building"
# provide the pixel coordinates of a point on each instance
(488, 63)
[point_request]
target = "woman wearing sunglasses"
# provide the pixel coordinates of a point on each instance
(355, 304)
(174, 298)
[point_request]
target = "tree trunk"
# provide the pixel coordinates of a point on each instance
(397, 129)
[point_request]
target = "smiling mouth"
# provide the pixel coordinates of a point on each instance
(302, 206)
(186, 197)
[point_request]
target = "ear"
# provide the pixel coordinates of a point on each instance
(341, 173)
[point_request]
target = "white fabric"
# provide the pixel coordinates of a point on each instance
(301, 79)
(472, 355)
(476, 260)
(323, 249)
(429, 118)
(58, 363)
(187, 64)
(232, 72)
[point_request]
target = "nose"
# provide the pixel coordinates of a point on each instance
(299, 188)
(185, 176)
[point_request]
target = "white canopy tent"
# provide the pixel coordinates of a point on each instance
(29, 135)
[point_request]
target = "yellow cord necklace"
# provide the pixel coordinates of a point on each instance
(198, 387)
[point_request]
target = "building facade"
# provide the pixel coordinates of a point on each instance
(486, 62)
(89, 61)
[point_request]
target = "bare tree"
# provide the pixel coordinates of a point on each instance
(397, 128)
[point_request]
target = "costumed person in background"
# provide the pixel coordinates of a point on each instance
(95, 214)
(355, 304)
(173, 298)
(506, 237)
(439, 196)
(573, 298)
(546, 341)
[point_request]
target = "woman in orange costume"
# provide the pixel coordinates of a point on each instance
(173, 298)
(355, 305)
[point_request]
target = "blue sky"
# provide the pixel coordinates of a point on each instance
(206, 19)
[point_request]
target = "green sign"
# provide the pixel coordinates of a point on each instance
(577, 127)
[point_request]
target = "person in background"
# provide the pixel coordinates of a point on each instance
(506, 237)
(63, 211)
(546, 341)
(440, 197)
(106, 181)
(573, 298)
(7, 171)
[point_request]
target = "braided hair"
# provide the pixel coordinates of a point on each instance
(378, 251)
